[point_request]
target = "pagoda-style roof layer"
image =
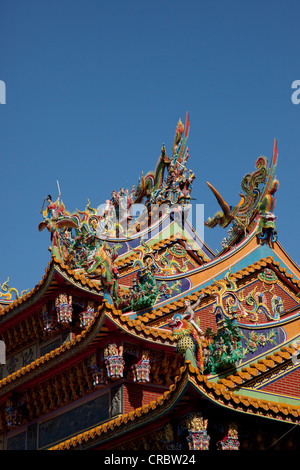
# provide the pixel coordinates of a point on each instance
(83, 342)
(148, 283)
(49, 284)
(188, 376)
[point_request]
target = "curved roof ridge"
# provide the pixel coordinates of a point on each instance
(47, 357)
(29, 294)
(58, 266)
(256, 369)
(173, 304)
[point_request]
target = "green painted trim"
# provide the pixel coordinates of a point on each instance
(259, 395)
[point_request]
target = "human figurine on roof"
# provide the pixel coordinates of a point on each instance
(52, 207)
(189, 312)
(53, 210)
(185, 183)
(189, 309)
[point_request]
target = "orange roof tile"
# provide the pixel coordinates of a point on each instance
(279, 411)
(131, 326)
(178, 303)
(257, 368)
(59, 266)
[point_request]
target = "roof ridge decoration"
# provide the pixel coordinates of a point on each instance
(287, 355)
(255, 201)
(7, 292)
(27, 295)
(234, 307)
(146, 289)
(214, 288)
(89, 240)
(54, 264)
(221, 351)
(152, 186)
(214, 353)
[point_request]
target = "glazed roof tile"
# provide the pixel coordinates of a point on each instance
(255, 369)
(209, 290)
(58, 266)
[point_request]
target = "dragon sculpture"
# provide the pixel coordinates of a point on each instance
(255, 200)
(153, 179)
(81, 249)
(151, 185)
(78, 238)
(8, 291)
(232, 304)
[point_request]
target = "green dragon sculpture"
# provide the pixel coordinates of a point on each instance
(254, 200)
(150, 186)
(153, 180)
(226, 349)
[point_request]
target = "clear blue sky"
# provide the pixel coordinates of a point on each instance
(93, 89)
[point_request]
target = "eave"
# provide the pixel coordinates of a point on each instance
(83, 344)
(159, 409)
(47, 286)
(249, 374)
(176, 303)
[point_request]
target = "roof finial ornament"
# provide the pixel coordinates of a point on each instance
(257, 195)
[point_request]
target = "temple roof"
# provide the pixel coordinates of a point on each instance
(55, 270)
(158, 282)
(105, 317)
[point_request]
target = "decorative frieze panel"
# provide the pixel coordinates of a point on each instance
(70, 385)
(116, 400)
(17, 361)
(22, 334)
(164, 368)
